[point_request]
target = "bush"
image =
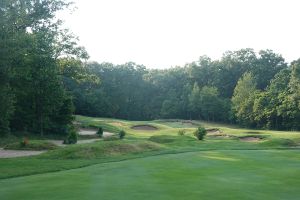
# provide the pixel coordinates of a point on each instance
(72, 136)
(24, 142)
(181, 132)
(100, 132)
(122, 134)
(200, 133)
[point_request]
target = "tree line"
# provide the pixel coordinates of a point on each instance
(36, 55)
(45, 79)
(258, 90)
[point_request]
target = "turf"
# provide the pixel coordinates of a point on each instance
(233, 174)
(160, 164)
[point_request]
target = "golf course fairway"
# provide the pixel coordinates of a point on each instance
(222, 174)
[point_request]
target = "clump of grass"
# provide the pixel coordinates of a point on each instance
(37, 145)
(181, 132)
(10, 138)
(162, 139)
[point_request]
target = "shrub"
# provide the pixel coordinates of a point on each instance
(100, 132)
(181, 132)
(200, 133)
(24, 142)
(122, 134)
(72, 136)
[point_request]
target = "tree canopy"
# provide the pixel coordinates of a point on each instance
(244, 87)
(45, 78)
(32, 46)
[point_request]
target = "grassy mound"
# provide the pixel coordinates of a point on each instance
(111, 138)
(258, 137)
(37, 145)
(144, 127)
(177, 123)
(105, 126)
(162, 139)
(280, 142)
(252, 132)
(95, 123)
(101, 150)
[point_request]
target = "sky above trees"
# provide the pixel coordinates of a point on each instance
(160, 34)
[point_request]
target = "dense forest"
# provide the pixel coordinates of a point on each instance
(45, 78)
(36, 55)
(253, 89)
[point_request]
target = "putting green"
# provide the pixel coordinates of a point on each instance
(232, 174)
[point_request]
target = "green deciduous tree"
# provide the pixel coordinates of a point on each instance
(243, 99)
(32, 44)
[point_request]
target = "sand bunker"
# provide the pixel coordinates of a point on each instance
(91, 131)
(117, 124)
(84, 141)
(222, 136)
(213, 131)
(87, 141)
(87, 131)
(18, 153)
(250, 139)
(144, 127)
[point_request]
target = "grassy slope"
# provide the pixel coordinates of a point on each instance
(88, 154)
(210, 168)
(36, 145)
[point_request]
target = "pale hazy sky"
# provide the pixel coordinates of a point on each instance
(165, 33)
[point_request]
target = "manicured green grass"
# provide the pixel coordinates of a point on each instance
(160, 164)
(238, 174)
(75, 156)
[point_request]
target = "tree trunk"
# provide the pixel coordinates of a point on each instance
(41, 125)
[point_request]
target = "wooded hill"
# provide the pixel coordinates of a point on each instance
(44, 73)
(252, 89)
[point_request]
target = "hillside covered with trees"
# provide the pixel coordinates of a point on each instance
(36, 54)
(45, 79)
(252, 89)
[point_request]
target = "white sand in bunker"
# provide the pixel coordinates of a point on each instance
(17, 153)
(91, 131)
(213, 131)
(22, 153)
(87, 131)
(144, 128)
(85, 141)
(250, 139)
